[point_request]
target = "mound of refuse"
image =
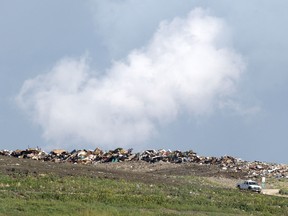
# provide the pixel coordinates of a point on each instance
(254, 169)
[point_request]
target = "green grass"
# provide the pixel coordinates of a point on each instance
(53, 195)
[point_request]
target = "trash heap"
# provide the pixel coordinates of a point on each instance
(229, 163)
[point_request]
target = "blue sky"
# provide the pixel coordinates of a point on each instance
(60, 61)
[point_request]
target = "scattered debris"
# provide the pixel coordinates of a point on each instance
(254, 169)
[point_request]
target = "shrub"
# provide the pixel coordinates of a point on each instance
(284, 191)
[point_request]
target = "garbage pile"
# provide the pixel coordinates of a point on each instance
(229, 163)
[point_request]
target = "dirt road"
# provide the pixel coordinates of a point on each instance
(273, 192)
(270, 191)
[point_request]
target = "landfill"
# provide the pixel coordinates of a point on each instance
(229, 163)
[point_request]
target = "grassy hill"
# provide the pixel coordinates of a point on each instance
(30, 187)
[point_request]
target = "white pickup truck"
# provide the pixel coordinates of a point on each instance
(249, 185)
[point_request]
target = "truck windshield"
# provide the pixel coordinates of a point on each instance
(252, 183)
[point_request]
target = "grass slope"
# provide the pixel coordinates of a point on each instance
(70, 195)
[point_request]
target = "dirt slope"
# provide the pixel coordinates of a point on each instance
(130, 171)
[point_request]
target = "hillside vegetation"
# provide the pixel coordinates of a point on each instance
(30, 187)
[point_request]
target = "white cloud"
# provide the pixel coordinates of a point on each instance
(186, 67)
